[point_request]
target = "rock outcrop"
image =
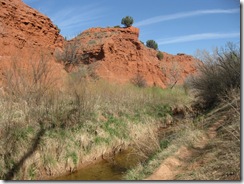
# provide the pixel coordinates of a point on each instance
(118, 53)
(23, 28)
(120, 56)
(26, 34)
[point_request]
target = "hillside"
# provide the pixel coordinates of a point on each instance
(118, 53)
(25, 35)
(25, 29)
(119, 56)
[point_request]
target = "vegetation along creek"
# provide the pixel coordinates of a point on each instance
(106, 105)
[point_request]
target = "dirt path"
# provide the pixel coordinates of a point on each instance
(176, 163)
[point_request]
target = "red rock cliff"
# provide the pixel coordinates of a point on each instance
(22, 27)
(120, 56)
(117, 52)
(25, 32)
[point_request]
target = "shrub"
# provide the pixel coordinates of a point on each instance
(152, 44)
(31, 82)
(160, 55)
(59, 30)
(69, 55)
(118, 26)
(139, 81)
(91, 42)
(127, 21)
(219, 74)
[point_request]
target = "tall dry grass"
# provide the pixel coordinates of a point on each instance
(217, 93)
(46, 131)
(218, 86)
(220, 159)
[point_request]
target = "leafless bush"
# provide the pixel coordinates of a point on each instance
(30, 80)
(172, 72)
(69, 55)
(139, 80)
(219, 74)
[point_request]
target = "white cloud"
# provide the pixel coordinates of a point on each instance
(72, 17)
(195, 37)
(181, 15)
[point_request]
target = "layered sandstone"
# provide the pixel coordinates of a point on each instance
(23, 28)
(120, 56)
(26, 34)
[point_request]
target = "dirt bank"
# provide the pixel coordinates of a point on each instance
(185, 158)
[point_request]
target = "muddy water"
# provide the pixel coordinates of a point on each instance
(113, 168)
(107, 169)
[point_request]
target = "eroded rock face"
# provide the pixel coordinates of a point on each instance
(24, 33)
(22, 27)
(120, 56)
(118, 53)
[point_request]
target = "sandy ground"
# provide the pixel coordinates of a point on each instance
(176, 163)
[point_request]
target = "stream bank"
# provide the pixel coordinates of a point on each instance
(114, 166)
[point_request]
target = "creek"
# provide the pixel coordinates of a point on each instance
(112, 168)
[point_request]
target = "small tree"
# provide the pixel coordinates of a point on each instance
(59, 30)
(127, 21)
(152, 44)
(172, 73)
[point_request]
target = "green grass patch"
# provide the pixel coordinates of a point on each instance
(73, 156)
(49, 160)
(160, 110)
(100, 140)
(164, 144)
(23, 133)
(32, 171)
(116, 127)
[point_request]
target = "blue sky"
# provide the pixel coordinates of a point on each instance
(178, 26)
